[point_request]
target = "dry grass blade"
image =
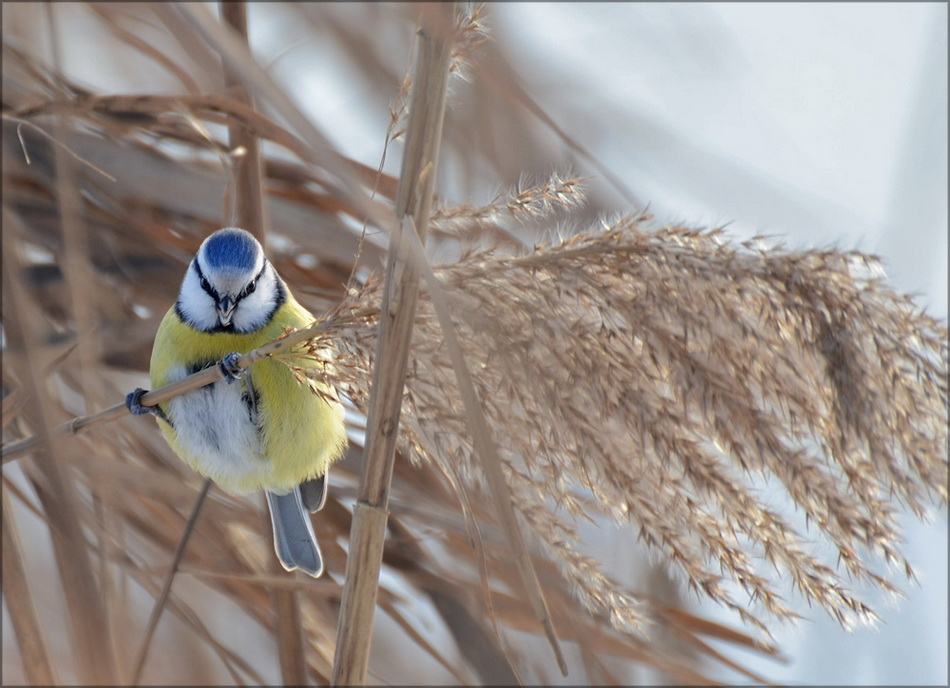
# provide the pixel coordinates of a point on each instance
(167, 585)
(129, 36)
(484, 650)
(504, 81)
(232, 661)
(19, 599)
(487, 450)
(411, 632)
(90, 632)
(318, 147)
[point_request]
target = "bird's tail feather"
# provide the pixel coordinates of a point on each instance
(294, 540)
(313, 492)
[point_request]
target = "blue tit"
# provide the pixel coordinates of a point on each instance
(260, 428)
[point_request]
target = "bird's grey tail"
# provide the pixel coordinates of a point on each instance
(294, 541)
(313, 492)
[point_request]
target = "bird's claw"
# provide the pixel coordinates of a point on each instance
(229, 367)
(133, 402)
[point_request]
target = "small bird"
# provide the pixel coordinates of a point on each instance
(258, 428)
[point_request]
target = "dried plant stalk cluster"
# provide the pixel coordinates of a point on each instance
(658, 371)
(658, 377)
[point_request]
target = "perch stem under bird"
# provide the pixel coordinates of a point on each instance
(285, 342)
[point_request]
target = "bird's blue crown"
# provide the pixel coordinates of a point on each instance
(231, 248)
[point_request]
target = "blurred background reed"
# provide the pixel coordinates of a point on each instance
(117, 164)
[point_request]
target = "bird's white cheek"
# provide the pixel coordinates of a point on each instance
(196, 306)
(255, 310)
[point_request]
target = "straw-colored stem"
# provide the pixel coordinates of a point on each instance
(246, 210)
(162, 599)
(413, 208)
(82, 287)
(288, 628)
(57, 493)
(14, 450)
(318, 148)
(247, 206)
(19, 601)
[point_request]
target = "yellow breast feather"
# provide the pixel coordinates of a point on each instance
(304, 433)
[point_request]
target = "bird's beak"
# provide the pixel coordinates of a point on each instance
(226, 310)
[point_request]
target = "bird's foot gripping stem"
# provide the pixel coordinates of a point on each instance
(133, 402)
(229, 367)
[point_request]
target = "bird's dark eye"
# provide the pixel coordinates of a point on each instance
(250, 287)
(205, 285)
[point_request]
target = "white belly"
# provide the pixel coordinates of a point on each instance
(214, 424)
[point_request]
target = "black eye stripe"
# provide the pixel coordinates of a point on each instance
(203, 281)
(252, 285)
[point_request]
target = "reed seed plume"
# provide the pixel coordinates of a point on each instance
(471, 33)
(541, 203)
(660, 371)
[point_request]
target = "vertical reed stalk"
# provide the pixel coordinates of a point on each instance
(246, 209)
(413, 209)
(58, 496)
(19, 600)
(82, 289)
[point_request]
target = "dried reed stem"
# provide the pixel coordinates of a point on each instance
(486, 449)
(317, 148)
(247, 209)
(19, 601)
(413, 209)
(78, 273)
(207, 376)
(90, 635)
(162, 597)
